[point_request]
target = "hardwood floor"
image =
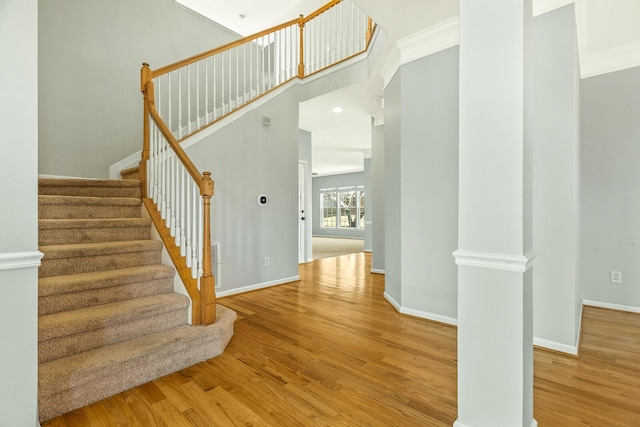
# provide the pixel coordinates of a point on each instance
(330, 351)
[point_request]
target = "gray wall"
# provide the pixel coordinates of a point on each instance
(610, 178)
(333, 181)
(247, 159)
(377, 199)
(392, 184)
(421, 161)
(19, 213)
(90, 56)
(556, 296)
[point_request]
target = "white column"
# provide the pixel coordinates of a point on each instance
(495, 349)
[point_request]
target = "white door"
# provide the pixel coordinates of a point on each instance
(302, 173)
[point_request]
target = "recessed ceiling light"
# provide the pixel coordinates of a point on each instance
(337, 110)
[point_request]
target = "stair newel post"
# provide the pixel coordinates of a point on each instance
(146, 87)
(301, 64)
(207, 281)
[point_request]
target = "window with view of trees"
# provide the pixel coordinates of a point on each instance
(342, 207)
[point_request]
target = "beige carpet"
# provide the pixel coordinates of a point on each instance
(327, 247)
(108, 319)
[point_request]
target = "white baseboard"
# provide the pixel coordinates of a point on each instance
(419, 313)
(392, 301)
(62, 177)
(555, 346)
(20, 260)
(611, 306)
(128, 162)
(257, 286)
(377, 271)
(367, 251)
(458, 423)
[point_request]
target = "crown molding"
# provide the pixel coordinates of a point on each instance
(610, 60)
(431, 40)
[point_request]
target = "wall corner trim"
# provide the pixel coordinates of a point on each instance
(515, 263)
(20, 260)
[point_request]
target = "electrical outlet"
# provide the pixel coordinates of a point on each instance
(267, 261)
(616, 276)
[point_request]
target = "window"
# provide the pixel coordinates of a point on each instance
(342, 207)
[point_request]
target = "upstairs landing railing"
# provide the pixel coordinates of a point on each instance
(185, 97)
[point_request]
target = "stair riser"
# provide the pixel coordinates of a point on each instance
(90, 191)
(92, 235)
(55, 211)
(92, 297)
(72, 344)
(65, 266)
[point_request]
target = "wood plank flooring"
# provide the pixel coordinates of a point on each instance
(330, 351)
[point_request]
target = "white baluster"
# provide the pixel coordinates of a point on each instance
(188, 70)
(206, 91)
(214, 82)
(198, 95)
(188, 222)
(194, 231)
(172, 210)
(200, 236)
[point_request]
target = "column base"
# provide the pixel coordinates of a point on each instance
(534, 423)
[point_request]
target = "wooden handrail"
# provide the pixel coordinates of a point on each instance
(203, 300)
(321, 10)
(183, 63)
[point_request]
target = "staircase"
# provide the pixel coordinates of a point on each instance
(108, 317)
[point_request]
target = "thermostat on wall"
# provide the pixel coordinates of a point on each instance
(262, 200)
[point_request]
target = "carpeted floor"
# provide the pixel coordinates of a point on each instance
(326, 247)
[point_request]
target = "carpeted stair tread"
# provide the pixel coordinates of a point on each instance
(71, 231)
(96, 249)
(84, 207)
(65, 223)
(75, 381)
(48, 286)
(88, 200)
(89, 187)
(102, 316)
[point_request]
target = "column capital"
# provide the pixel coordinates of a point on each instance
(517, 263)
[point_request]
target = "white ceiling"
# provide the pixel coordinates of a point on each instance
(608, 39)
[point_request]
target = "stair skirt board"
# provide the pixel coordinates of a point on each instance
(108, 316)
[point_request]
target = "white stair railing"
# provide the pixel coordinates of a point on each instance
(198, 91)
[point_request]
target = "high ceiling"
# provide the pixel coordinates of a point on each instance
(607, 31)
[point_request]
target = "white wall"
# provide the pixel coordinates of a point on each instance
(19, 236)
(610, 190)
(247, 159)
(90, 56)
(556, 300)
